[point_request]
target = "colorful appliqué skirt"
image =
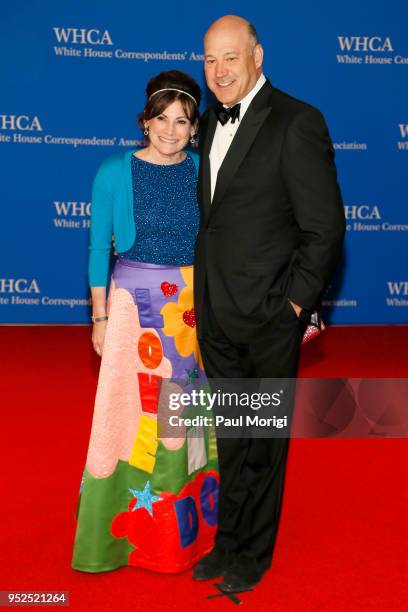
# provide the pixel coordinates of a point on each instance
(146, 501)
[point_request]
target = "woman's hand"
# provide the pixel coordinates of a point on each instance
(98, 336)
(99, 309)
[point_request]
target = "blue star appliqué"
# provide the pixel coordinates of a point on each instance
(145, 498)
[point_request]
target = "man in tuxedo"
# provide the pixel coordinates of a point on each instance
(271, 234)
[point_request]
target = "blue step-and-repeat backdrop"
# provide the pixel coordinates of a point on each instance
(73, 75)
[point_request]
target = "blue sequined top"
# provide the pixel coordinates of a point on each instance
(165, 211)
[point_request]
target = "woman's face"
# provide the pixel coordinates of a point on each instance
(170, 131)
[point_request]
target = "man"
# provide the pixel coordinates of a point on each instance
(271, 233)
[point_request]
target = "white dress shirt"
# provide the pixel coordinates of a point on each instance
(224, 134)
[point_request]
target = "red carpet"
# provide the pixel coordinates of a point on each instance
(343, 539)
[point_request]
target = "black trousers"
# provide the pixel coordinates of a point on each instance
(252, 470)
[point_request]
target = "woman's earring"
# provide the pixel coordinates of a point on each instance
(192, 139)
(146, 130)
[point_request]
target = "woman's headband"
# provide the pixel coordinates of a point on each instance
(174, 89)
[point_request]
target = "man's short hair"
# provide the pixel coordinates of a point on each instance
(253, 35)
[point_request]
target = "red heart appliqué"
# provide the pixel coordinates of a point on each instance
(189, 317)
(168, 289)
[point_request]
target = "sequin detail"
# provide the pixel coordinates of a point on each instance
(165, 212)
(168, 289)
(189, 317)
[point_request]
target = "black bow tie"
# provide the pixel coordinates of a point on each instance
(224, 114)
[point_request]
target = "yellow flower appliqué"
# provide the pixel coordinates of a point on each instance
(179, 319)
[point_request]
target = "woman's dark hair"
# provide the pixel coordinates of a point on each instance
(173, 79)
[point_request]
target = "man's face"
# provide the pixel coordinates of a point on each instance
(231, 63)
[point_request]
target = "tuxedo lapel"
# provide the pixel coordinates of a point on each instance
(205, 173)
(252, 121)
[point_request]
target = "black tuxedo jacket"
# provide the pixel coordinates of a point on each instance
(275, 227)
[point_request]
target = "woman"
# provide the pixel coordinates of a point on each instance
(147, 500)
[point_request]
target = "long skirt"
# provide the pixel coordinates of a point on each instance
(146, 500)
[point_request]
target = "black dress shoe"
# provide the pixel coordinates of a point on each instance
(212, 565)
(243, 575)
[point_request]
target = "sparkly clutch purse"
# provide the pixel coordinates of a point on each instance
(313, 329)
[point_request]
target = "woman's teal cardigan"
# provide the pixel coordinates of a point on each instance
(112, 214)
